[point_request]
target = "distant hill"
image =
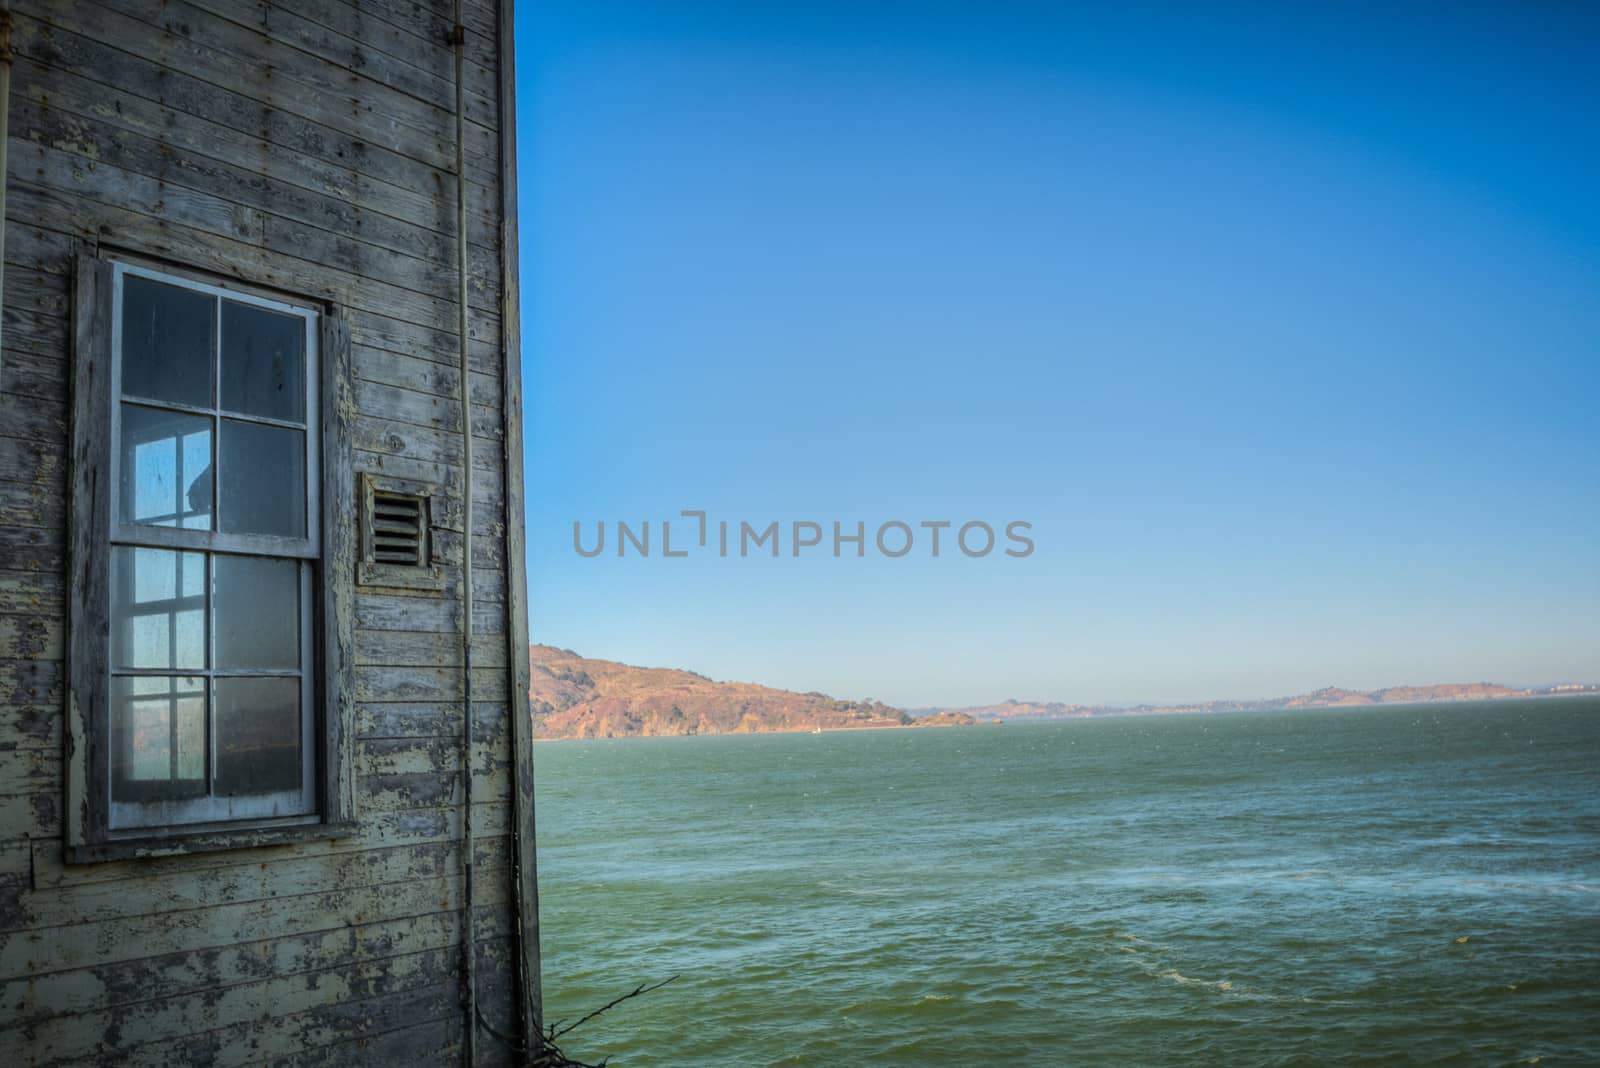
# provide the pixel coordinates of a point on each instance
(575, 697)
(1328, 697)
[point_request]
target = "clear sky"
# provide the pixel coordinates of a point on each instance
(1282, 328)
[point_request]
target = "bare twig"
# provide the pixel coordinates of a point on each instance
(635, 992)
(550, 1055)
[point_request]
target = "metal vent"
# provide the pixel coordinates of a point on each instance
(399, 529)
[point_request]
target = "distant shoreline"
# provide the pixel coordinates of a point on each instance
(1392, 706)
(573, 697)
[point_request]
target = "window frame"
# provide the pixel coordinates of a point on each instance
(324, 558)
(214, 543)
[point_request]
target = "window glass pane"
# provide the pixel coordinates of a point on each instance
(258, 736)
(168, 342)
(158, 727)
(158, 609)
(257, 604)
(263, 362)
(166, 468)
(263, 484)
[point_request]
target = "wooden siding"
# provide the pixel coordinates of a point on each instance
(304, 145)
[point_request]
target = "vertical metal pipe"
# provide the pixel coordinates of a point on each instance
(468, 937)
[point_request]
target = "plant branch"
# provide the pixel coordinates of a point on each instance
(635, 992)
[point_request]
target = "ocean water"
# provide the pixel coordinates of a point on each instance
(1394, 885)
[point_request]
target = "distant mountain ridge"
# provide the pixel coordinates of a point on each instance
(575, 697)
(1327, 697)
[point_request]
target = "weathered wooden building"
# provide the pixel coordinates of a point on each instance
(263, 649)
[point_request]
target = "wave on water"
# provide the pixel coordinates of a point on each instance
(1031, 902)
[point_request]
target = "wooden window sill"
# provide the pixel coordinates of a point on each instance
(175, 843)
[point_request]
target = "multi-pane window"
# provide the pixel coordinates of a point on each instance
(214, 549)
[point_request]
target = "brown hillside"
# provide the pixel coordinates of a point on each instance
(574, 697)
(1405, 695)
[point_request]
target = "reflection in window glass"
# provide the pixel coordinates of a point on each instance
(168, 342)
(210, 704)
(263, 362)
(257, 602)
(165, 468)
(258, 735)
(158, 729)
(158, 609)
(263, 484)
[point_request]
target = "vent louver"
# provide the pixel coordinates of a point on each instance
(399, 529)
(397, 550)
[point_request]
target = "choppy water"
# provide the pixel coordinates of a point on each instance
(1362, 886)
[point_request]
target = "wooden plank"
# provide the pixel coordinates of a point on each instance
(393, 26)
(183, 1023)
(30, 771)
(212, 121)
(31, 637)
(377, 434)
(425, 410)
(116, 984)
(31, 681)
(338, 651)
(393, 791)
(33, 463)
(45, 293)
(41, 332)
(524, 861)
(488, 552)
(57, 170)
(181, 890)
(499, 975)
(488, 585)
(424, 719)
(104, 143)
(391, 684)
(411, 65)
(88, 620)
(162, 237)
(397, 648)
(32, 548)
(35, 248)
(36, 593)
(391, 611)
(424, 343)
(418, 375)
(162, 187)
(27, 504)
(181, 37)
(282, 1038)
(48, 867)
(31, 816)
(33, 727)
(34, 419)
(429, 1042)
(41, 378)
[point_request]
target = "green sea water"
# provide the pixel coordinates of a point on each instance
(1367, 886)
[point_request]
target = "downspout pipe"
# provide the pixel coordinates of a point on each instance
(458, 37)
(5, 141)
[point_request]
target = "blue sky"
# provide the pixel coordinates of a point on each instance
(1281, 328)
